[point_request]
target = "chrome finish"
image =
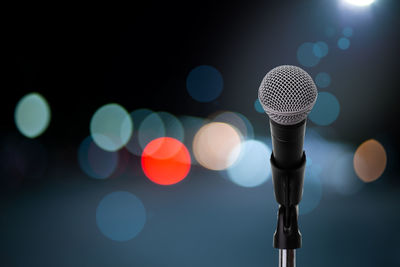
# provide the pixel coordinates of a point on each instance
(287, 258)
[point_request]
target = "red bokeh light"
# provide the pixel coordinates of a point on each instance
(166, 161)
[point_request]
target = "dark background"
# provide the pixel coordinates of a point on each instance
(80, 58)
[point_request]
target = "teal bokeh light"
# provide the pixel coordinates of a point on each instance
(137, 117)
(32, 115)
(173, 126)
(343, 43)
(320, 49)
(250, 169)
(237, 120)
(120, 216)
(258, 107)
(111, 127)
(306, 56)
(96, 162)
(152, 127)
(204, 83)
(347, 31)
(326, 109)
(323, 80)
(341, 175)
(312, 188)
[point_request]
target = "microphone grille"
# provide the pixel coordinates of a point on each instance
(287, 94)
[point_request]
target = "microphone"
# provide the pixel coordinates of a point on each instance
(287, 94)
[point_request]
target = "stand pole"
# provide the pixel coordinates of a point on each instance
(287, 258)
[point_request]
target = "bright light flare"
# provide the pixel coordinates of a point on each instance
(360, 2)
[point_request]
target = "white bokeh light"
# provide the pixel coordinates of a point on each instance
(360, 2)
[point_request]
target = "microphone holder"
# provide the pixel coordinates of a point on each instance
(288, 187)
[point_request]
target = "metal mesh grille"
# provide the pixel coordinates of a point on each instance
(287, 94)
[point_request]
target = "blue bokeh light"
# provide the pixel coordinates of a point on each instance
(137, 117)
(251, 168)
(237, 120)
(323, 80)
(120, 216)
(312, 188)
(306, 56)
(320, 49)
(326, 109)
(191, 125)
(173, 126)
(204, 83)
(152, 127)
(341, 175)
(348, 31)
(96, 162)
(343, 43)
(258, 107)
(249, 126)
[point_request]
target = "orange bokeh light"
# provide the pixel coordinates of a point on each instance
(370, 160)
(165, 161)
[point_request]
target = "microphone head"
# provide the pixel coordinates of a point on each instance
(287, 94)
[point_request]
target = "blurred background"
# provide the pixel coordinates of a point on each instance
(134, 137)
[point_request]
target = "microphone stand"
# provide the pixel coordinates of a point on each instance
(288, 187)
(287, 258)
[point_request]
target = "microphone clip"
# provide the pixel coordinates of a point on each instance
(288, 187)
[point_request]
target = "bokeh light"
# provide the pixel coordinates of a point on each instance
(341, 175)
(166, 161)
(312, 188)
(249, 126)
(204, 83)
(237, 120)
(347, 31)
(120, 216)
(258, 107)
(192, 125)
(137, 117)
(214, 145)
(320, 49)
(360, 2)
(323, 80)
(32, 115)
(251, 168)
(306, 56)
(173, 127)
(331, 162)
(96, 162)
(343, 43)
(326, 109)
(152, 127)
(370, 160)
(111, 127)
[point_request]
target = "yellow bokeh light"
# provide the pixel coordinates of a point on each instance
(214, 145)
(370, 160)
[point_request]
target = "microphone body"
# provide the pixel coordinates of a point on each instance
(287, 143)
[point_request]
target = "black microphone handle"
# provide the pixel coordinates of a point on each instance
(287, 144)
(288, 162)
